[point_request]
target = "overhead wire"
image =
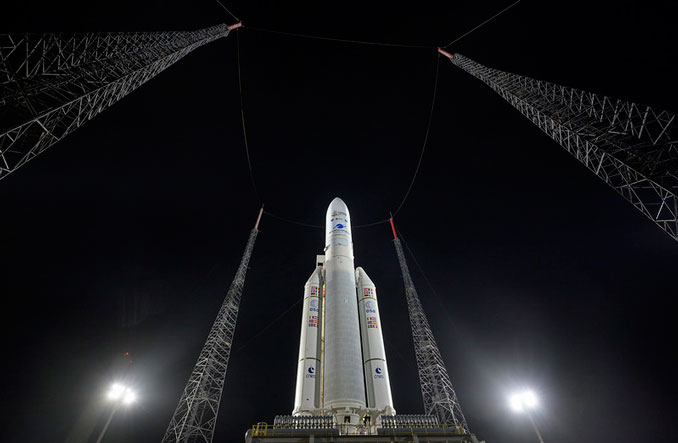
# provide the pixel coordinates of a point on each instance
(271, 323)
(423, 274)
(242, 118)
(367, 225)
(428, 130)
(336, 39)
(363, 42)
(414, 177)
(229, 12)
(308, 225)
(421, 156)
(483, 23)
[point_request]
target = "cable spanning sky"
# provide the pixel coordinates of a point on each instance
(124, 236)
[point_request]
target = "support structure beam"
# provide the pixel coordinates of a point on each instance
(629, 146)
(196, 414)
(51, 84)
(439, 397)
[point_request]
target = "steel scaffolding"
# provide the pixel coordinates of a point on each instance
(439, 397)
(196, 414)
(629, 146)
(51, 84)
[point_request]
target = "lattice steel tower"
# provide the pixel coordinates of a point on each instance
(51, 84)
(629, 146)
(436, 388)
(196, 414)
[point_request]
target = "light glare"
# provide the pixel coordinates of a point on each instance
(120, 393)
(529, 399)
(130, 397)
(524, 400)
(116, 391)
(515, 403)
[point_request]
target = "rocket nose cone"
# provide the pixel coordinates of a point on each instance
(338, 225)
(337, 205)
(337, 201)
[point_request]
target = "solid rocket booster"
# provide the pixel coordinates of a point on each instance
(307, 395)
(374, 355)
(343, 381)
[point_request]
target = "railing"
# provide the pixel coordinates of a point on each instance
(263, 429)
(424, 429)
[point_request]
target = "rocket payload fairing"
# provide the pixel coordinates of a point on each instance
(342, 368)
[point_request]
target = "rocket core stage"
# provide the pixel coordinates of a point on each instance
(342, 367)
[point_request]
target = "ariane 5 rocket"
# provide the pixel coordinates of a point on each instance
(342, 368)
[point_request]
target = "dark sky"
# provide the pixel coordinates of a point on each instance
(124, 236)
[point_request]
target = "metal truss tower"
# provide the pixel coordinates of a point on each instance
(51, 84)
(436, 388)
(629, 146)
(196, 414)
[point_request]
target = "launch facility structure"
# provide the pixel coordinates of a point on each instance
(343, 391)
(55, 83)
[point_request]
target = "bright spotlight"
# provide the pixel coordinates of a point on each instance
(529, 399)
(121, 394)
(129, 397)
(522, 401)
(116, 392)
(515, 403)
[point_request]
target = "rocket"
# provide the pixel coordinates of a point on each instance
(342, 368)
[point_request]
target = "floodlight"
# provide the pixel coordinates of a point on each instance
(121, 394)
(529, 399)
(129, 397)
(116, 392)
(523, 402)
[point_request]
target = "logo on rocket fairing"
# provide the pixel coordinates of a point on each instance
(378, 373)
(370, 307)
(311, 372)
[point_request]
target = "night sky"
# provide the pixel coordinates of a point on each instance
(124, 236)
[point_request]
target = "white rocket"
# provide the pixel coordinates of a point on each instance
(342, 368)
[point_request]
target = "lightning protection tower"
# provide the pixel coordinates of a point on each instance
(628, 146)
(440, 400)
(196, 414)
(51, 84)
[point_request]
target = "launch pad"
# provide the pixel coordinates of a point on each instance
(430, 436)
(321, 429)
